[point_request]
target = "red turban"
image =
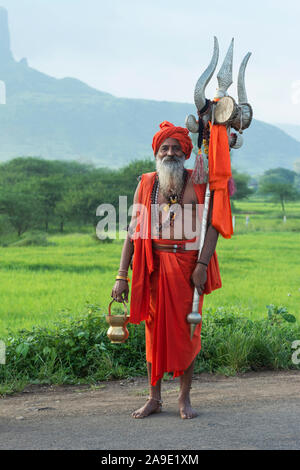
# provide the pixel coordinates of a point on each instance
(179, 133)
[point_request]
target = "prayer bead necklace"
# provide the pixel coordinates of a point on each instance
(173, 199)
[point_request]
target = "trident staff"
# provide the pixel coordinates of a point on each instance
(216, 118)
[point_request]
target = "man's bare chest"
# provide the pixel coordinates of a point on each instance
(178, 219)
(189, 196)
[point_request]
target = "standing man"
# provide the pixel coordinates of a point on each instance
(166, 269)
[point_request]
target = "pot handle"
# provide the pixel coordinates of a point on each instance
(125, 308)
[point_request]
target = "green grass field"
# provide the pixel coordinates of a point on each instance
(259, 265)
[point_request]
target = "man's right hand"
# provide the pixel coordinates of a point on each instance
(120, 291)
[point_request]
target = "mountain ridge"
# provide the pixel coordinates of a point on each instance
(67, 119)
(292, 130)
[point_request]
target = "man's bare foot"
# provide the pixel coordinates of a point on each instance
(185, 409)
(151, 406)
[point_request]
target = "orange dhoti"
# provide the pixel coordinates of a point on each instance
(169, 347)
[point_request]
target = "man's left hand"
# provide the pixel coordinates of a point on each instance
(199, 277)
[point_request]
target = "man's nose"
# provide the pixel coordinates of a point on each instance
(170, 152)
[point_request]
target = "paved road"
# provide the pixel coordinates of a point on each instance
(253, 411)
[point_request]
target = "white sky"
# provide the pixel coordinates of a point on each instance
(157, 49)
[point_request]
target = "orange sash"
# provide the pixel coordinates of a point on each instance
(219, 174)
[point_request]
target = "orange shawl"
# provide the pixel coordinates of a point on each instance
(143, 264)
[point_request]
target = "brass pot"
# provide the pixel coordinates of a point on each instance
(117, 331)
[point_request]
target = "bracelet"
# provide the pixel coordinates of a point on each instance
(201, 262)
(122, 278)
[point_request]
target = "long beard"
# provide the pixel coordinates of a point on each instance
(170, 174)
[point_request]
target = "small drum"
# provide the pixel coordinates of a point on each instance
(235, 141)
(226, 111)
(243, 120)
(191, 124)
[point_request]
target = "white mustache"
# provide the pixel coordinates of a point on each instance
(170, 163)
(171, 159)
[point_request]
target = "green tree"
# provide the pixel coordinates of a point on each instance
(279, 184)
(50, 190)
(241, 181)
(22, 209)
(46, 180)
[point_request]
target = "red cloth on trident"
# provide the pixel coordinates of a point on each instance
(162, 293)
(169, 130)
(219, 174)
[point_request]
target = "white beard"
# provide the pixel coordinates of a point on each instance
(170, 174)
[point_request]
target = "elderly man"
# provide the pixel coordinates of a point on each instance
(166, 269)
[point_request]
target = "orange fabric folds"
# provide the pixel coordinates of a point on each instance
(168, 344)
(143, 258)
(219, 174)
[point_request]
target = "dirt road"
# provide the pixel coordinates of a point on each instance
(251, 411)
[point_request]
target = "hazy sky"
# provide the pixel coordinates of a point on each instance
(157, 49)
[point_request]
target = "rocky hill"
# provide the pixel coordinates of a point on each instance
(67, 119)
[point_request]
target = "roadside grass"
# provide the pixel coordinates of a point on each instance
(265, 216)
(258, 269)
(40, 285)
(79, 351)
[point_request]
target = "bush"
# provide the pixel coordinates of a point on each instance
(235, 343)
(71, 352)
(80, 351)
(32, 239)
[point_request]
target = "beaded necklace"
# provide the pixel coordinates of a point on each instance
(172, 199)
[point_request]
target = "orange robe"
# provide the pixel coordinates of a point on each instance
(162, 294)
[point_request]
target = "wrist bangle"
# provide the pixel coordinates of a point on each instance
(122, 278)
(201, 262)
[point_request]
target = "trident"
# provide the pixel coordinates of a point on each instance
(224, 111)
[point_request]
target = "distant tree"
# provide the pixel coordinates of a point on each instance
(79, 204)
(280, 185)
(64, 209)
(22, 209)
(127, 176)
(27, 167)
(282, 174)
(241, 181)
(297, 166)
(297, 182)
(297, 177)
(50, 190)
(46, 180)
